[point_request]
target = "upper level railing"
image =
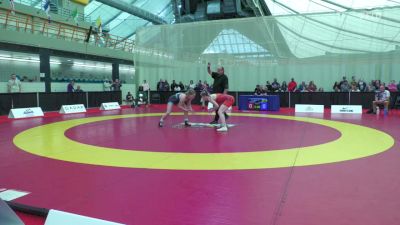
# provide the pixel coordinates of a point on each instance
(64, 12)
(36, 25)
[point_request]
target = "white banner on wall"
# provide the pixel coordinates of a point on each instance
(25, 113)
(349, 109)
(309, 108)
(110, 106)
(67, 109)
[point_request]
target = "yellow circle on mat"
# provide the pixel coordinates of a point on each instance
(355, 142)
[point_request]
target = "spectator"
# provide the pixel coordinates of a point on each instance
(354, 88)
(292, 86)
(284, 86)
(78, 89)
(344, 86)
(14, 85)
(342, 81)
(381, 98)
(107, 85)
(320, 89)
(160, 85)
(353, 81)
(302, 87)
(70, 87)
(146, 86)
(199, 86)
(336, 87)
(275, 85)
(258, 90)
(129, 97)
(362, 85)
(312, 87)
(398, 86)
(116, 86)
(392, 86)
(176, 88)
(191, 85)
(181, 86)
(166, 86)
(173, 85)
(268, 87)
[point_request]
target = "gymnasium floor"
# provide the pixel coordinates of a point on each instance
(269, 169)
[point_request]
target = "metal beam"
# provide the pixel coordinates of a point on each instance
(134, 10)
(116, 15)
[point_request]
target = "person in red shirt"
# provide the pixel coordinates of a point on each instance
(221, 103)
(292, 86)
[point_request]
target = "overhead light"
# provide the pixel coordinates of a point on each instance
(27, 60)
(91, 66)
(20, 60)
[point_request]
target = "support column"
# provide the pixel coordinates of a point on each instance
(44, 56)
(115, 71)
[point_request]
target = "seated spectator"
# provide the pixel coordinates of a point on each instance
(258, 90)
(336, 87)
(320, 89)
(392, 86)
(14, 85)
(173, 85)
(176, 88)
(344, 79)
(268, 87)
(191, 85)
(354, 88)
(275, 85)
(70, 87)
(292, 86)
(345, 86)
(362, 85)
(199, 86)
(166, 86)
(78, 89)
(129, 97)
(181, 85)
(160, 85)
(381, 98)
(284, 86)
(312, 87)
(302, 87)
(353, 81)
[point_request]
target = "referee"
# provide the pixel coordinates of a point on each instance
(220, 85)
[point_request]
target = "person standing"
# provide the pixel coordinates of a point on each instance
(70, 87)
(220, 85)
(14, 84)
(116, 86)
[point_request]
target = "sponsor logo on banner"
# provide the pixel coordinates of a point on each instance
(350, 109)
(66, 109)
(309, 108)
(25, 112)
(110, 106)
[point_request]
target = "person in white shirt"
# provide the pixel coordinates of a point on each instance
(146, 86)
(14, 84)
(106, 85)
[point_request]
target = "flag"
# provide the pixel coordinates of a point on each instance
(74, 15)
(12, 6)
(46, 7)
(98, 22)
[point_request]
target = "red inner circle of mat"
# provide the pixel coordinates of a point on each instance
(249, 134)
